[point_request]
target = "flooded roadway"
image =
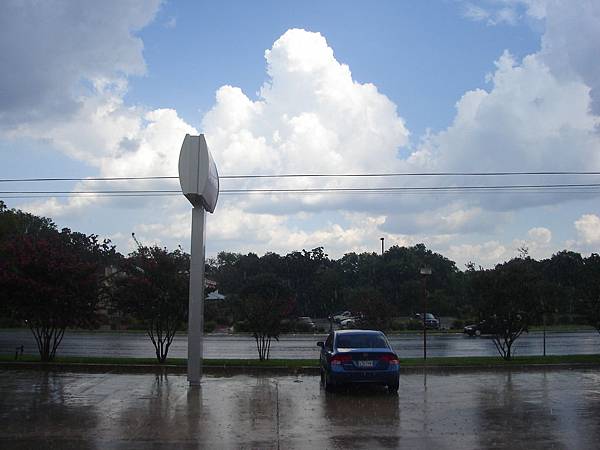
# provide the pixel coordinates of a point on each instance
(467, 410)
(129, 344)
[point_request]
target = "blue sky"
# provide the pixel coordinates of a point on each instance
(422, 55)
(345, 86)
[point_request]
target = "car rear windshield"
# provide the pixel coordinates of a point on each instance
(361, 341)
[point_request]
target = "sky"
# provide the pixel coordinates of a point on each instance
(109, 89)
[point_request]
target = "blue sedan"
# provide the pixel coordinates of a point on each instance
(358, 356)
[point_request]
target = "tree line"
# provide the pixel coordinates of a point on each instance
(563, 286)
(51, 280)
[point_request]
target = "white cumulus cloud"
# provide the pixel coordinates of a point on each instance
(588, 228)
(540, 235)
(310, 117)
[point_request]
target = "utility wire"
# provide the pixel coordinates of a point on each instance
(387, 193)
(414, 188)
(312, 175)
(514, 187)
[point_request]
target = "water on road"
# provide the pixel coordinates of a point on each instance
(557, 409)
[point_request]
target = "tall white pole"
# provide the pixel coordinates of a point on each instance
(196, 301)
(199, 181)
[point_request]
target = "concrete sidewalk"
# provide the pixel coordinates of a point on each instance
(547, 409)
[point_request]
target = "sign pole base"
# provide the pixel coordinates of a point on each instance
(196, 298)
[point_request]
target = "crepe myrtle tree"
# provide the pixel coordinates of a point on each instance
(152, 287)
(265, 301)
(53, 281)
(510, 299)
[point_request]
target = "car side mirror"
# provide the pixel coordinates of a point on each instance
(320, 344)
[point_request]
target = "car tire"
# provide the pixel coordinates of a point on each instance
(393, 388)
(329, 386)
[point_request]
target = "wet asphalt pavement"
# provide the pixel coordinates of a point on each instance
(509, 409)
(299, 346)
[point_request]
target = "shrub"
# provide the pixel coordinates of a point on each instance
(241, 327)
(287, 326)
(550, 319)
(414, 324)
(458, 324)
(210, 326)
(564, 320)
(397, 325)
(303, 327)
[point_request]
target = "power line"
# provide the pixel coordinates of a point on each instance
(89, 195)
(314, 175)
(414, 188)
(387, 193)
(511, 187)
(27, 180)
(410, 174)
(95, 192)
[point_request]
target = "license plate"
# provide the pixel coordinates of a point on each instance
(365, 363)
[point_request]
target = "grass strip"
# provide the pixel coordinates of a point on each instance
(483, 361)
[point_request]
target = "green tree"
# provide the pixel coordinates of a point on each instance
(152, 287)
(14, 222)
(564, 270)
(302, 269)
(329, 290)
(590, 291)
(375, 311)
(265, 301)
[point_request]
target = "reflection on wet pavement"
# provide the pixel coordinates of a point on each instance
(542, 409)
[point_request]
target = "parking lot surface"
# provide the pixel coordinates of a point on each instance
(482, 409)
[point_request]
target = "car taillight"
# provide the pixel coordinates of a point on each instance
(390, 359)
(340, 359)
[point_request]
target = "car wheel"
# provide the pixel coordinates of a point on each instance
(329, 386)
(393, 388)
(478, 332)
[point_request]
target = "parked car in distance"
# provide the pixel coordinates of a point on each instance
(351, 322)
(358, 356)
(338, 317)
(478, 329)
(306, 323)
(430, 320)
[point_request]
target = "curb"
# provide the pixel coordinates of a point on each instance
(149, 368)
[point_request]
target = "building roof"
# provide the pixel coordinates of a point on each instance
(215, 295)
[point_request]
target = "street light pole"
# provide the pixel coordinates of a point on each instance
(544, 322)
(381, 239)
(425, 271)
